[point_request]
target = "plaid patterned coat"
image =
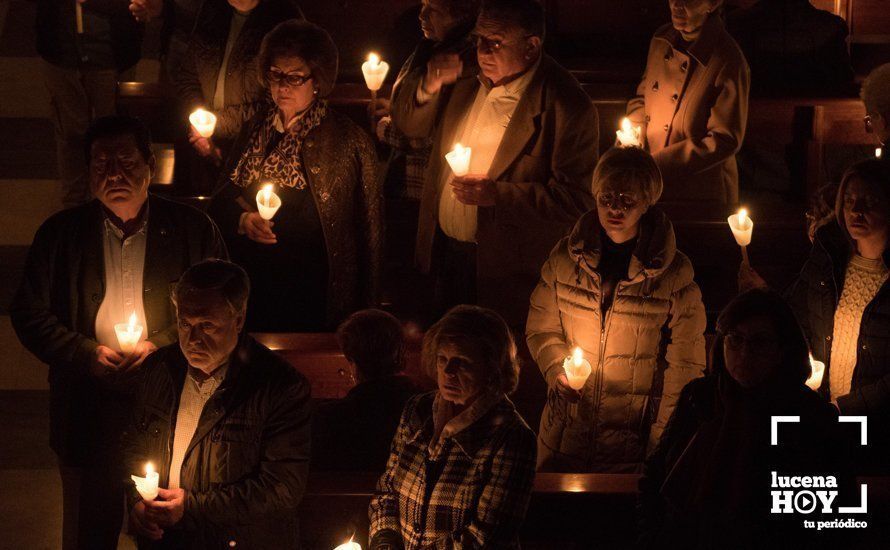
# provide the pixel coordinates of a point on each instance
(473, 494)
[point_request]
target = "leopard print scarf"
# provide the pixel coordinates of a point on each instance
(283, 165)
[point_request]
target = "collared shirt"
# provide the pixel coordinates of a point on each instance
(197, 390)
(219, 95)
(482, 130)
(124, 268)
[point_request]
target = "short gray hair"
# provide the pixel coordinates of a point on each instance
(228, 280)
(875, 91)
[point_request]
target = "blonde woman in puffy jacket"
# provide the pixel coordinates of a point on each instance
(617, 288)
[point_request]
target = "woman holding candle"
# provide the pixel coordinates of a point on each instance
(842, 298)
(707, 485)
(462, 462)
(319, 258)
(617, 288)
(692, 103)
(219, 73)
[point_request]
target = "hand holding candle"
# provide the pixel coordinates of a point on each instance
(628, 134)
(148, 485)
(459, 160)
(814, 382)
(267, 202)
(128, 334)
(204, 122)
(742, 228)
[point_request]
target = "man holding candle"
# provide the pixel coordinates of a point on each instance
(226, 423)
(90, 268)
(533, 134)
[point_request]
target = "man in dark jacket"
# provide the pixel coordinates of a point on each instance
(226, 423)
(90, 268)
(85, 50)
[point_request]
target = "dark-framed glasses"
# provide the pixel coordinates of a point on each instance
(756, 343)
(291, 79)
(618, 201)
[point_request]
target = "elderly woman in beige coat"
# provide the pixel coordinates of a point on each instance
(618, 288)
(692, 104)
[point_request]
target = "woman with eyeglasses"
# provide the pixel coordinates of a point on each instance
(319, 258)
(708, 483)
(692, 103)
(218, 73)
(617, 288)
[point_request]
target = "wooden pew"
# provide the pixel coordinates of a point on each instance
(838, 139)
(336, 504)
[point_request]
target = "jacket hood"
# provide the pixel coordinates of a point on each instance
(654, 252)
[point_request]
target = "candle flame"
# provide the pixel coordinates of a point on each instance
(577, 357)
(267, 193)
(131, 323)
(149, 468)
(373, 59)
(743, 217)
(459, 149)
(625, 125)
(878, 153)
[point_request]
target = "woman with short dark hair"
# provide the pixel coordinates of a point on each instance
(707, 485)
(320, 258)
(462, 462)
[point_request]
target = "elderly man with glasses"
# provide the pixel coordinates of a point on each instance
(533, 135)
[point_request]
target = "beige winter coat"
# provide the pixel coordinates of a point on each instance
(692, 106)
(654, 330)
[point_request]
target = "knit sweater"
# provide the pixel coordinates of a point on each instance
(862, 281)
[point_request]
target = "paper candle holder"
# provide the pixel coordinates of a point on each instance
(204, 122)
(375, 72)
(267, 202)
(459, 160)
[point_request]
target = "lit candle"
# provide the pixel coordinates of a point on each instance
(375, 72)
(267, 202)
(817, 369)
(148, 485)
(742, 228)
(577, 369)
(128, 334)
(459, 159)
(204, 122)
(878, 152)
(78, 16)
(349, 545)
(628, 135)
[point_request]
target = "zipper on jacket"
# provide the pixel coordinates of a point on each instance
(605, 322)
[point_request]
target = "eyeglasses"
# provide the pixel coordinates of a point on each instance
(620, 201)
(759, 344)
(295, 80)
(488, 45)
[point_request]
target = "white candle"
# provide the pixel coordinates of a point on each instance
(267, 202)
(148, 485)
(204, 122)
(628, 134)
(742, 227)
(816, 372)
(128, 334)
(878, 152)
(459, 160)
(349, 545)
(577, 369)
(375, 72)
